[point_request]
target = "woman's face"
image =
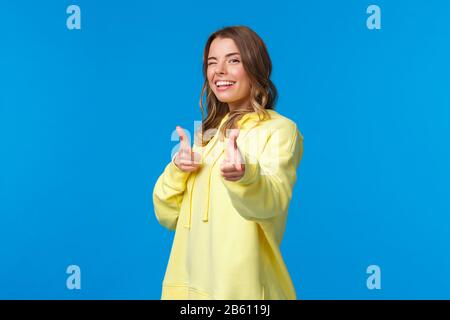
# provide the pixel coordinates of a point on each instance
(224, 65)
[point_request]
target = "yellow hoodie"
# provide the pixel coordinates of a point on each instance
(228, 233)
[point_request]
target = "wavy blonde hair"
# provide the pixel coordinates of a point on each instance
(256, 62)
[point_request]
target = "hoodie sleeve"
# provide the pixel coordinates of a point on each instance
(265, 190)
(168, 194)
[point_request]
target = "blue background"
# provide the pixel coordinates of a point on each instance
(87, 116)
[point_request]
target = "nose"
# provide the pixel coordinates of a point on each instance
(220, 68)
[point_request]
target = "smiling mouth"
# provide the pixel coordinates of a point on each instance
(224, 84)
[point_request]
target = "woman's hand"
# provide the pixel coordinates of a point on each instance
(186, 159)
(233, 167)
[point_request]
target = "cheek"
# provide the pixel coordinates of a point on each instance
(244, 84)
(241, 76)
(209, 76)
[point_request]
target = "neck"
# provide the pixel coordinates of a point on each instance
(242, 105)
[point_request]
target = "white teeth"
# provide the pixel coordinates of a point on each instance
(224, 83)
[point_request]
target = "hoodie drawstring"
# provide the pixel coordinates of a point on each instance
(209, 147)
(206, 214)
(192, 181)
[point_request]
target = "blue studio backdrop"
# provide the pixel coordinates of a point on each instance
(88, 110)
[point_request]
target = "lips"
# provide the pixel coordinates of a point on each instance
(224, 83)
(223, 88)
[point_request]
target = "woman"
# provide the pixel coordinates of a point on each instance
(227, 198)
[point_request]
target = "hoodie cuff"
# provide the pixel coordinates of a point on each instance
(175, 174)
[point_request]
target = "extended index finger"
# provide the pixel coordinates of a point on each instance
(185, 146)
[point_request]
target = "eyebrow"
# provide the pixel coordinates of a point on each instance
(227, 55)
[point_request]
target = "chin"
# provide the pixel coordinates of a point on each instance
(226, 100)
